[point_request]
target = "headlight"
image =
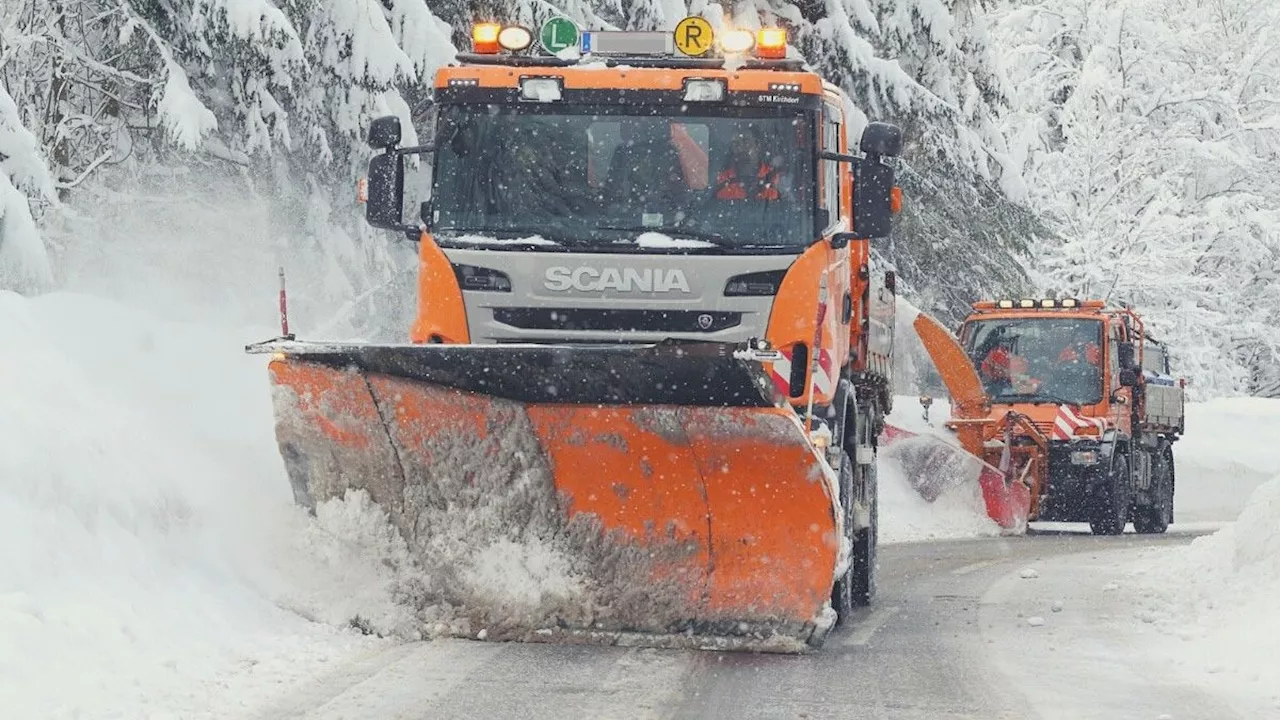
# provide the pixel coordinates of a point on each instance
(757, 284)
(479, 279)
(1084, 457)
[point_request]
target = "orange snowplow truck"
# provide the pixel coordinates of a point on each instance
(651, 354)
(1070, 399)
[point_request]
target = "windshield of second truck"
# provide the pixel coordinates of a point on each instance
(588, 176)
(1054, 360)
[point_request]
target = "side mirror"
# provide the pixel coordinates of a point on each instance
(384, 207)
(880, 139)
(1125, 354)
(384, 132)
(872, 198)
(1128, 377)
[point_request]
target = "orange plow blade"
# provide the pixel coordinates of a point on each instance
(544, 502)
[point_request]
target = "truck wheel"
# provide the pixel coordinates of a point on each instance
(1111, 504)
(864, 544)
(1155, 518)
(842, 592)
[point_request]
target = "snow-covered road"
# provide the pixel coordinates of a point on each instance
(949, 638)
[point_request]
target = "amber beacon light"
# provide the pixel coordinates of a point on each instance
(771, 43)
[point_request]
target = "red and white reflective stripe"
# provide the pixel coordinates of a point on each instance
(781, 372)
(824, 380)
(1067, 421)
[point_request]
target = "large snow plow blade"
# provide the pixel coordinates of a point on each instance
(650, 495)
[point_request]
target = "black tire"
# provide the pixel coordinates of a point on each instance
(1154, 519)
(1111, 505)
(842, 593)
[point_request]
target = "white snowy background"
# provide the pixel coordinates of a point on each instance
(158, 165)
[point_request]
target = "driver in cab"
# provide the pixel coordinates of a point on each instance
(749, 175)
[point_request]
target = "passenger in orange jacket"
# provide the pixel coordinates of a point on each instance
(1072, 353)
(1002, 368)
(748, 175)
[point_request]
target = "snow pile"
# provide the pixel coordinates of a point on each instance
(1219, 595)
(1226, 453)
(149, 549)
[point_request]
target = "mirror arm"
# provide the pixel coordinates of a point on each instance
(838, 157)
(415, 150)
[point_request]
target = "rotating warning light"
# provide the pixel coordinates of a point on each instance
(771, 43)
(737, 42)
(484, 38)
(515, 38)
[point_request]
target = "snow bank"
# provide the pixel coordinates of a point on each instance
(151, 561)
(1219, 596)
(1228, 451)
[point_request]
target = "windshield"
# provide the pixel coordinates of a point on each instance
(587, 176)
(1056, 360)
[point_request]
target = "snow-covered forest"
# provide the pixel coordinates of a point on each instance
(1127, 149)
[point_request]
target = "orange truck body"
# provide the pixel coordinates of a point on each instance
(694, 430)
(1075, 403)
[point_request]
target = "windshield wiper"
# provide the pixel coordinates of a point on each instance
(509, 238)
(1035, 398)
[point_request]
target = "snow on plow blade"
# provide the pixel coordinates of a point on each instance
(637, 495)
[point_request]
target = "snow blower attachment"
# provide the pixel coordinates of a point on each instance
(637, 469)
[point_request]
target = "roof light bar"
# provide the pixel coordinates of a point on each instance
(1048, 303)
(1026, 303)
(1069, 303)
(1004, 304)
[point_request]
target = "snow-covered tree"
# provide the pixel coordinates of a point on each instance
(927, 65)
(24, 181)
(1150, 137)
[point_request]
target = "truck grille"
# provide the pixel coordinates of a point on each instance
(670, 321)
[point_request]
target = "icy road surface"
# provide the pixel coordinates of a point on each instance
(962, 629)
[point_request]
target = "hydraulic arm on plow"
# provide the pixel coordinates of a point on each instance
(1072, 402)
(651, 351)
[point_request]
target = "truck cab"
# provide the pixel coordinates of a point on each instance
(1072, 398)
(619, 189)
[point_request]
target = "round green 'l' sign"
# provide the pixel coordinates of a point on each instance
(557, 34)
